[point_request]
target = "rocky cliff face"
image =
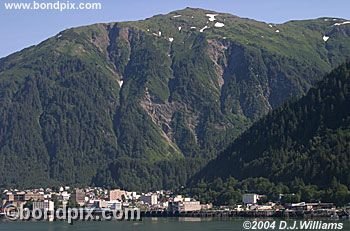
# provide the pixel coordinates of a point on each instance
(151, 101)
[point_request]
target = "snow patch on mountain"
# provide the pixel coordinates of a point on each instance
(171, 39)
(177, 16)
(202, 30)
(325, 38)
(342, 23)
(219, 24)
(211, 17)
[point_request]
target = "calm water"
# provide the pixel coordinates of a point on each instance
(149, 224)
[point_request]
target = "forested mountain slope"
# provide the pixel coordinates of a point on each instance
(145, 104)
(307, 140)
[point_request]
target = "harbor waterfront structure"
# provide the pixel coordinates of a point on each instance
(185, 206)
(310, 206)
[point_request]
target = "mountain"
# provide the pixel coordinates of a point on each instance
(305, 142)
(146, 104)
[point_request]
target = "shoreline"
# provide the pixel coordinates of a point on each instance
(282, 214)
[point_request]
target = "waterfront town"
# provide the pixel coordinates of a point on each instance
(160, 203)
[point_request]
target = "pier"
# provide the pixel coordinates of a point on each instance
(250, 213)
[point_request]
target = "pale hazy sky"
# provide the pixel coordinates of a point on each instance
(20, 29)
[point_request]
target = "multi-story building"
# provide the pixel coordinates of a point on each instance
(116, 194)
(19, 196)
(150, 199)
(23, 196)
(9, 197)
(33, 196)
(44, 205)
(78, 196)
(184, 206)
(251, 198)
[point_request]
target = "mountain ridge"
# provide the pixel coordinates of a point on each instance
(123, 104)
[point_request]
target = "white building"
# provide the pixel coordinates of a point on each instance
(132, 195)
(44, 205)
(185, 206)
(251, 198)
(178, 198)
